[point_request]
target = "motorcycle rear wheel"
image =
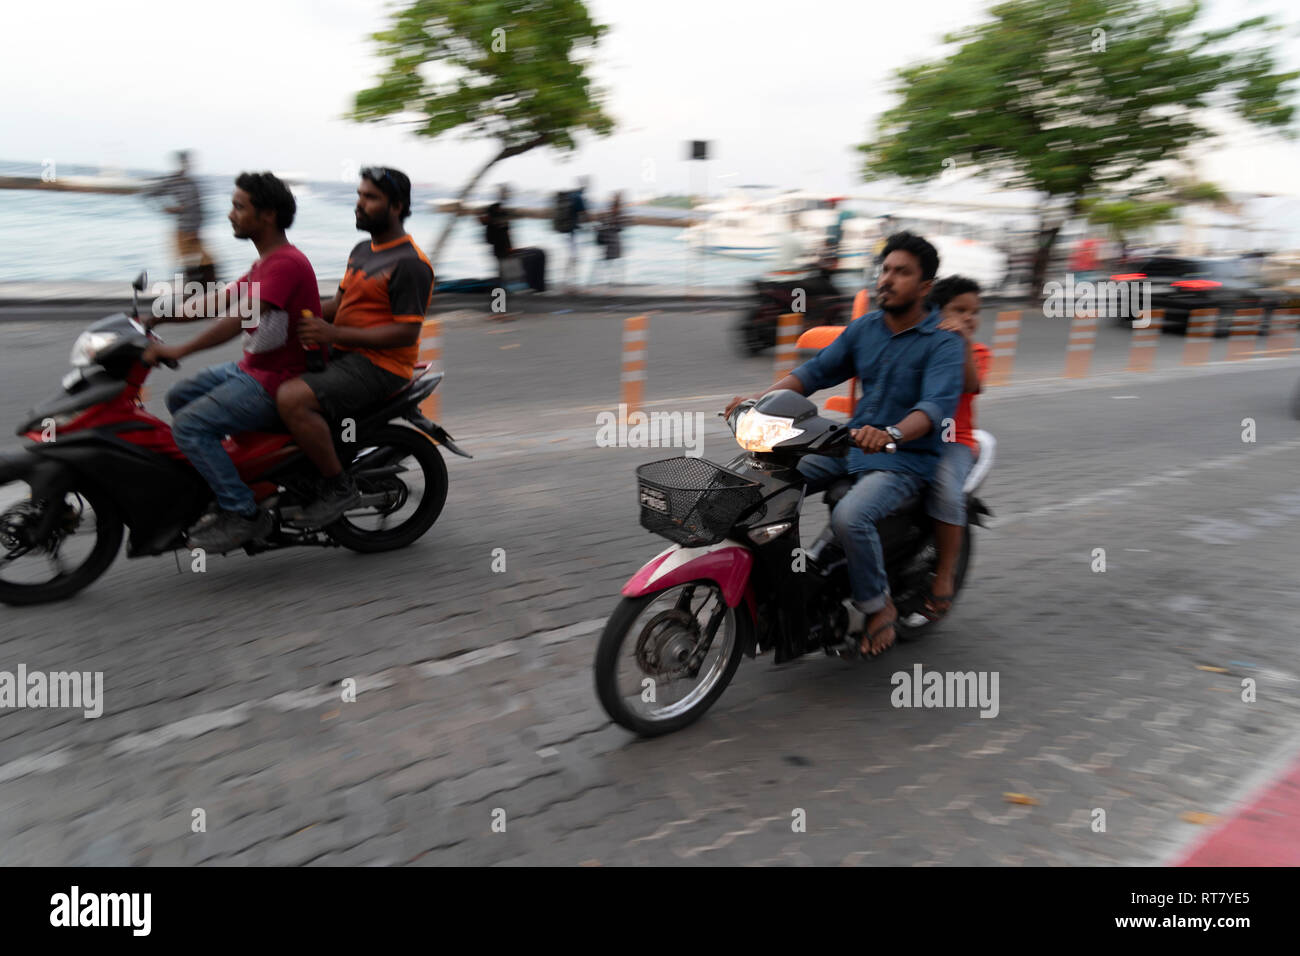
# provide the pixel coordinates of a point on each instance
(622, 630)
(108, 531)
(404, 444)
(908, 632)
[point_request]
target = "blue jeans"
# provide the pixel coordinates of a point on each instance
(220, 401)
(875, 494)
(946, 501)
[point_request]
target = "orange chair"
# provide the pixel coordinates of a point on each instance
(816, 339)
(820, 336)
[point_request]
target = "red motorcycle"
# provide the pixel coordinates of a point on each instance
(96, 463)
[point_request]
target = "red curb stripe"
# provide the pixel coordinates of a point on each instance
(1266, 833)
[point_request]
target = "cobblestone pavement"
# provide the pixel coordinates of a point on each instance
(1119, 691)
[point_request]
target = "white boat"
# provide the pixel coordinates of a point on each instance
(748, 226)
(753, 227)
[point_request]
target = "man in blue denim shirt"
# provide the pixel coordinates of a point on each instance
(911, 375)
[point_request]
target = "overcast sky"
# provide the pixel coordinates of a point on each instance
(784, 90)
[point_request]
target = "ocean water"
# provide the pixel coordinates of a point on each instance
(66, 237)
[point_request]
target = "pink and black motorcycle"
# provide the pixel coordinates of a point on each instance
(736, 581)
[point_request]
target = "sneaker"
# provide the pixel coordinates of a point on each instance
(336, 496)
(205, 519)
(228, 531)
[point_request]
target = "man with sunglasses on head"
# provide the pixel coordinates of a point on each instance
(372, 327)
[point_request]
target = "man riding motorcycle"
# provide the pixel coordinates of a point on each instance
(239, 397)
(912, 375)
(373, 324)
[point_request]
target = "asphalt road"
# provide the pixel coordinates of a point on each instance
(1120, 691)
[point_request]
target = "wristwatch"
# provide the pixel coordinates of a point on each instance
(893, 433)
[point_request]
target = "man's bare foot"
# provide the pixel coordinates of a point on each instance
(880, 631)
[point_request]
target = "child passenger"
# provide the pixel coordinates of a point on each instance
(958, 301)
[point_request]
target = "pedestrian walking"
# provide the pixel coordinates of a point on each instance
(570, 212)
(609, 236)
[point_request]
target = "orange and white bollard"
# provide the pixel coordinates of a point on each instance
(634, 364)
(787, 349)
(1244, 334)
(1142, 350)
(431, 352)
(1083, 338)
(1282, 330)
(1006, 332)
(1200, 333)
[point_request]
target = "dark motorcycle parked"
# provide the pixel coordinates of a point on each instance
(734, 581)
(823, 304)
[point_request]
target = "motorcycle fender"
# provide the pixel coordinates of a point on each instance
(16, 466)
(727, 563)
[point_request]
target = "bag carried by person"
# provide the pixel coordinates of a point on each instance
(563, 218)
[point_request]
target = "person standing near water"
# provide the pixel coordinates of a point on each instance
(187, 207)
(609, 234)
(496, 230)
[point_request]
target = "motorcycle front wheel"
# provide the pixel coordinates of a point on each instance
(665, 658)
(82, 544)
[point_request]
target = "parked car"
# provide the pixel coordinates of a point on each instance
(1180, 284)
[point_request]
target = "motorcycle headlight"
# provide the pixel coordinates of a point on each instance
(758, 432)
(89, 345)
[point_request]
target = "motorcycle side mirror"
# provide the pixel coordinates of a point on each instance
(136, 288)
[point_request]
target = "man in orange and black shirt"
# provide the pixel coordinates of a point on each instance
(372, 326)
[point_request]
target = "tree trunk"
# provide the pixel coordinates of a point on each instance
(1043, 256)
(469, 187)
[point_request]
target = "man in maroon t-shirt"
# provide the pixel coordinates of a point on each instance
(267, 304)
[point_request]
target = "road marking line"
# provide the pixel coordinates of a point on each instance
(190, 727)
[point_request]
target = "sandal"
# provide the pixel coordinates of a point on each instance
(891, 624)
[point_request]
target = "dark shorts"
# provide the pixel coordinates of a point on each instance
(349, 383)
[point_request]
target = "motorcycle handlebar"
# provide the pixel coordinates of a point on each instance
(846, 443)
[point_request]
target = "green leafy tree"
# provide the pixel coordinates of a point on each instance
(1077, 99)
(1157, 203)
(512, 71)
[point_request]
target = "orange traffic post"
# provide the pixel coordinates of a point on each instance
(1006, 332)
(1200, 333)
(1244, 334)
(1083, 337)
(1142, 350)
(634, 364)
(1282, 330)
(431, 352)
(787, 349)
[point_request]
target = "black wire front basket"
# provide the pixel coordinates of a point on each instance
(692, 501)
